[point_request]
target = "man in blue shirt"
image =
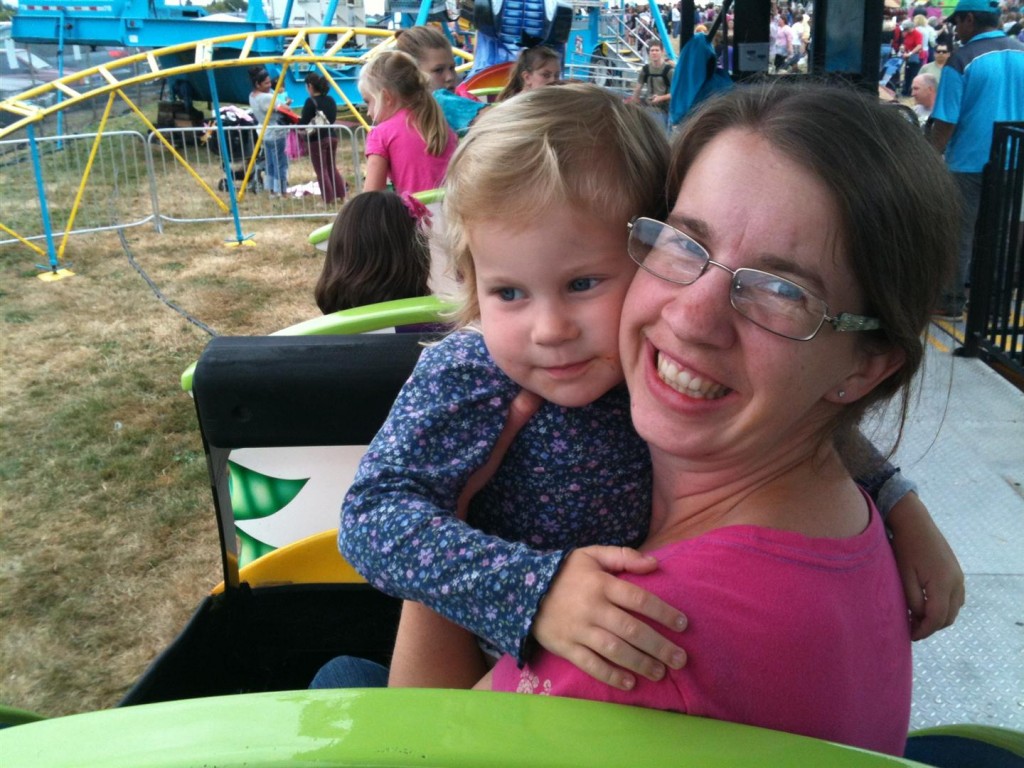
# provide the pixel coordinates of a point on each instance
(982, 84)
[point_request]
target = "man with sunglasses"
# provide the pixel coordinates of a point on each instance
(981, 85)
(934, 68)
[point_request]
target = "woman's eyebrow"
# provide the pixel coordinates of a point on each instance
(771, 262)
(697, 227)
(766, 262)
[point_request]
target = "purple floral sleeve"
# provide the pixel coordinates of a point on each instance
(572, 477)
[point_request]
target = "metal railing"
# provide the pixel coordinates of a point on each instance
(127, 179)
(995, 318)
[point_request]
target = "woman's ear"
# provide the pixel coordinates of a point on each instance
(872, 368)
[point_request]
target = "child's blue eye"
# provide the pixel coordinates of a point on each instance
(508, 294)
(583, 284)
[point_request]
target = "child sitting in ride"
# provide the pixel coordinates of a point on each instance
(536, 67)
(543, 292)
(377, 252)
(410, 142)
(433, 55)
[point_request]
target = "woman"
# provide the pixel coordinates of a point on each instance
(261, 101)
(797, 620)
(320, 110)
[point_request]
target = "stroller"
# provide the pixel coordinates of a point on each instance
(240, 130)
(891, 69)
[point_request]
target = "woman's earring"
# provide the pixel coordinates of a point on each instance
(841, 393)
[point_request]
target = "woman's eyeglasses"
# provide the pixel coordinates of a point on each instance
(774, 303)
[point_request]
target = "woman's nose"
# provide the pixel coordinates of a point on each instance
(701, 312)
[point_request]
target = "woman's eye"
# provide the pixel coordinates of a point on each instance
(583, 284)
(779, 289)
(508, 294)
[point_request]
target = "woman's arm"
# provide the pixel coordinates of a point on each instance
(431, 652)
(590, 618)
(308, 111)
(377, 169)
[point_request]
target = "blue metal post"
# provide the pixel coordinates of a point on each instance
(421, 17)
(287, 14)
(666, 39)
(44, 208)
(60, 73)
(225, 160)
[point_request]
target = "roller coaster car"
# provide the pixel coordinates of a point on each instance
(229, 690)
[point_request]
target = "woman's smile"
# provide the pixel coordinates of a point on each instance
(687, 382)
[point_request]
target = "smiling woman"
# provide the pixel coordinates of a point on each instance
(742, 372)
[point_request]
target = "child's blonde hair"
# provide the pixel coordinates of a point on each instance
(573, 144)
(398, 73)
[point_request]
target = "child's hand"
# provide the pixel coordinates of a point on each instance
(586, 618)
(932, 579)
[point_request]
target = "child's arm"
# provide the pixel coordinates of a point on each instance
(377, 168)
(398, 525)
(430, 651)
(932, 579)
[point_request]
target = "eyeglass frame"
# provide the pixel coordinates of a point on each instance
(843, 322)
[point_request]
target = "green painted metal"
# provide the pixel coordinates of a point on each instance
(387, 314)
(13, 716)
(404, 727)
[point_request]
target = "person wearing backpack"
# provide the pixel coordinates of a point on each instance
(656, 75)
(318, 116)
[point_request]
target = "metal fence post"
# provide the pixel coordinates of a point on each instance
(44, 208)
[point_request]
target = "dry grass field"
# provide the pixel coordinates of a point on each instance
(107, 533)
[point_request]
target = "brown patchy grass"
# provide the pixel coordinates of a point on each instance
(107, 533)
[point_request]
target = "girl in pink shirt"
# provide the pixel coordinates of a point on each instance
(411, 142)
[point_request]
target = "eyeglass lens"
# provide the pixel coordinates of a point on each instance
(772, 302)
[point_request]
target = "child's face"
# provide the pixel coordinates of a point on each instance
(543, 75)
(438, 64)
(550, 294)
(379, 106)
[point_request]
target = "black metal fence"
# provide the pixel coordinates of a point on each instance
(995, 319)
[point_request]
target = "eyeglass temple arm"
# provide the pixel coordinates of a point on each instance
(847, 322)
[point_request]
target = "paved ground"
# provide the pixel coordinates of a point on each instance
(964, 446)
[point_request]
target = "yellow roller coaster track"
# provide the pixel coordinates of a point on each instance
(76, 88)
(118, 75)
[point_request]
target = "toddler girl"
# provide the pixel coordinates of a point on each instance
(536, 202)
(411, 141)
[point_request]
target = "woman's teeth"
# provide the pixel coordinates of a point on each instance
(687, 383)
